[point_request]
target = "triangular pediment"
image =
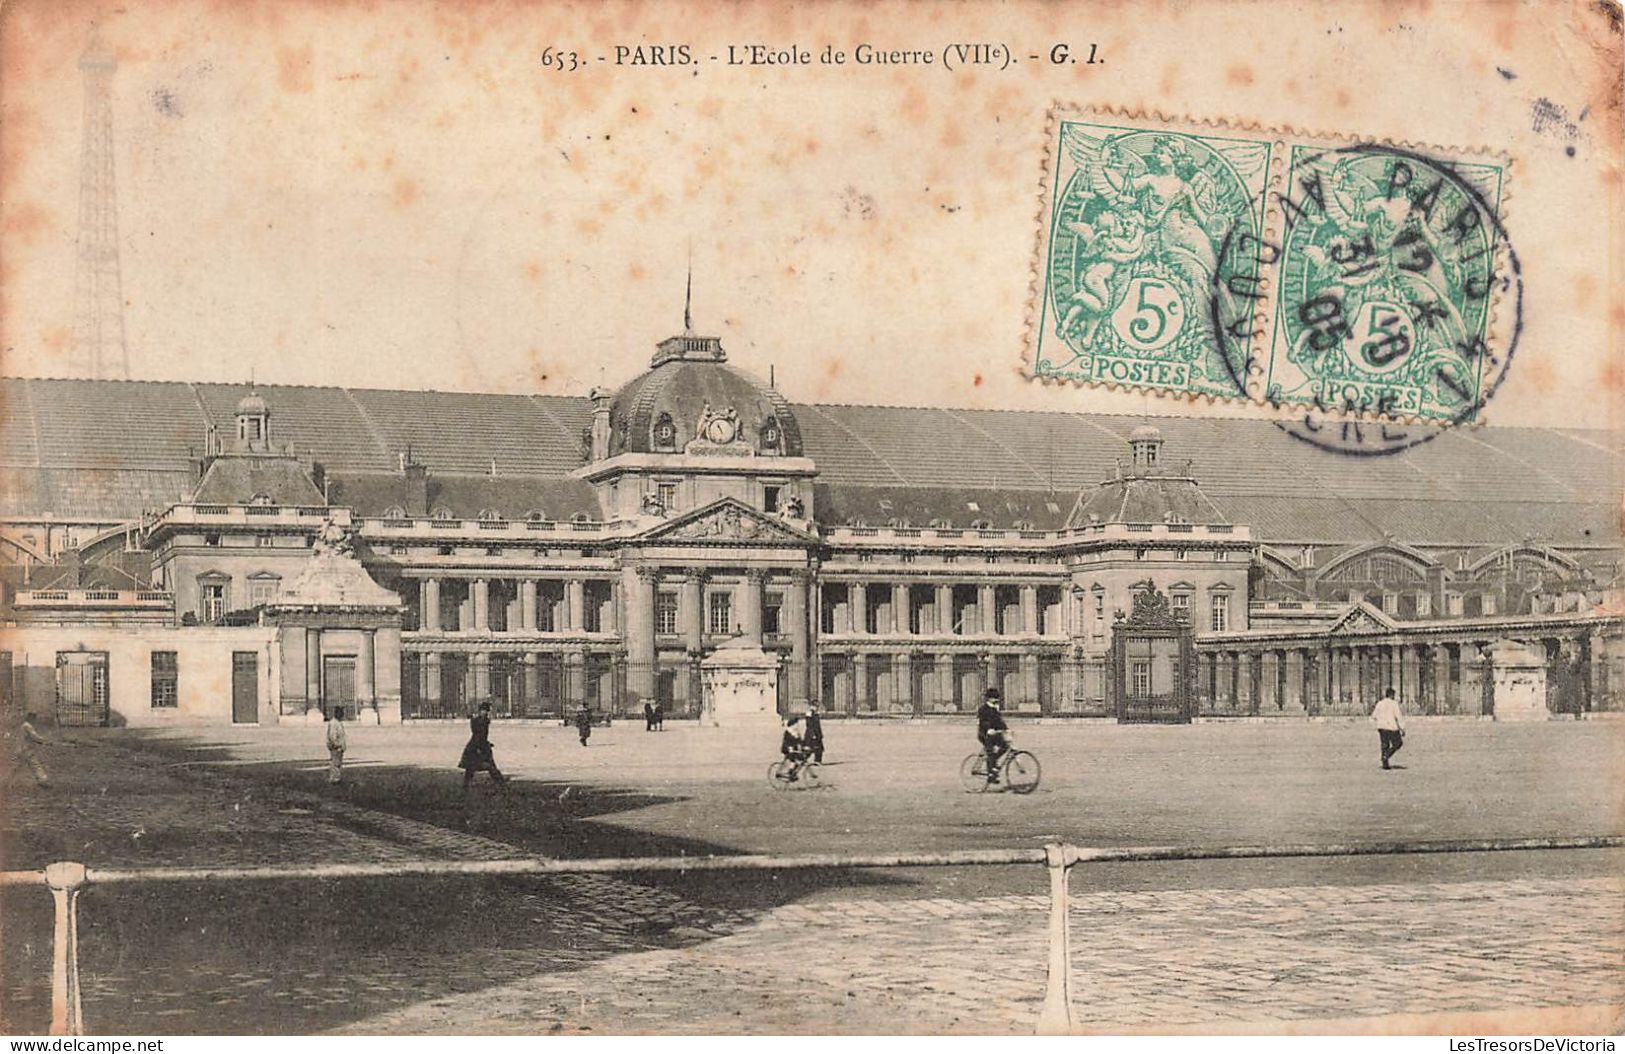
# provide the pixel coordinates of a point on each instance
(1362, 618)
(729, 520)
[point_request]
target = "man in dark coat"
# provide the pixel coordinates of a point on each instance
(477, 755)
(992, 732)
(813, 734)
(584, 723)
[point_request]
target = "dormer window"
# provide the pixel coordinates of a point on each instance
(441, 513)
(770, 434)
(394, 512)
(260, 499)
(534, 516)
(665, 433)
(490, 514)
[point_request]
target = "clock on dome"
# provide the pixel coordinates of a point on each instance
(721, 430)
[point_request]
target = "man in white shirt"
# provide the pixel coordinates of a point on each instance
(336, 742)
(1385, 715)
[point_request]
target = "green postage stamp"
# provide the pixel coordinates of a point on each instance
(1347, 279)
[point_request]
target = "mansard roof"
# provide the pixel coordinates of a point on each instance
(233, 479)
(110, 449)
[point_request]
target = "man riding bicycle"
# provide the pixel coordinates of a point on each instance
(794, 746)
(992, 732)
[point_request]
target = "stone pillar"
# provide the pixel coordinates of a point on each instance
(857, 608)
(612, 619)
(1336, 661)
(527, 604)
(528, 684)
(750, 605)
(985, 616)
(575, 605)
(1029, 679)
(795, 612)
(1441, 696)
(638, 589)
(366, 677)
(1473, 679)
(1269, 682)
(945, 680)
(1029, 610)
(1204, 680)
(945, 609)
(899, 608)
(860, 697)
(1596, 679)
(313, 670)
(481, 596)
(691, 612)
(429, 603)
(1292, 700)
(479, 665)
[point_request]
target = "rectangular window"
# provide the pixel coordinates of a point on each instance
(1220, 607)
(666, 613)
(720, 620)
(1424, 605)
(264, 541)
(770, 498)
(1489, 603)
(1454, 604)
(1390, 603)
(262, 591)
(667, 493)
(214, 601)
(165, 680)
(1182, 601)
(1140, 678)
(772, 613)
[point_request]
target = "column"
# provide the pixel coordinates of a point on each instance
(984, 609)
(1596, 674)
(1204, 680)
(482, 603)
(1269, 682)
(899, 608)
(903, 680)
(857, 608)
(431, 682)
(366, 694)
(1443, 698)
(1396, 671)
(527, 604)
(1470, 695)
(1029, 610)
(527, 684)
(860, 697)
(575, 686)
(795, 611)
(1335, 670)
(1292, 695)
(945, 680)
(575, 604)
(313, 670)
(1410, 674)
(1029, 679)
(750, 605)
(430, 605)
(638, 588)
(691, 613)
(479, 666)
(945, 609)
(1245, 698)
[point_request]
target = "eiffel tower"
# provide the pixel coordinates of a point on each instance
(99, 348)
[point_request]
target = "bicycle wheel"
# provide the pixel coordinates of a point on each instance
(778, 773)
(812, 776)
(1021, 772)
(973, 773)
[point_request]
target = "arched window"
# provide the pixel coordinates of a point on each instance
(665, 433)
(534, 516)
(490, 514)
(394, 512)
(260, 499)
(441, 513)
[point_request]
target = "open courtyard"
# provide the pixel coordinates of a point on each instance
(1451, 941)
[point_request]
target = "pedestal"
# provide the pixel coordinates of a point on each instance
(1518, 673)
(741, 686)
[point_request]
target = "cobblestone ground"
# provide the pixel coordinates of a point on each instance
(809, 951)
(1143, 961)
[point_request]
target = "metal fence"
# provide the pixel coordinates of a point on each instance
(66, 880)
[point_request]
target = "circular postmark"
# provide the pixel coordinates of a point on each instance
(1389, 270)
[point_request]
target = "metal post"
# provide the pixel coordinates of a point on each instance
(67, 1014)
(1055, 1019)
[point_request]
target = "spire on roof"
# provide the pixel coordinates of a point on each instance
(688, 295)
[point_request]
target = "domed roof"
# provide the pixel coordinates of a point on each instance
(689, 394)
(1145, 433)
(251, 404)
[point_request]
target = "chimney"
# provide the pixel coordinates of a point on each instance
(417, 487)
(600, 423)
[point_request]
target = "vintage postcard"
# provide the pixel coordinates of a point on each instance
(536, 518)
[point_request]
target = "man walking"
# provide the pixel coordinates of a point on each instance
(1385, 715)
(25, 739)
(336, 742)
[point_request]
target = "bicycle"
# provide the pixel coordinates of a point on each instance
(787, 774)
(1017, 770)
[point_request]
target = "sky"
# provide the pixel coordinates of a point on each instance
(407, 195)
